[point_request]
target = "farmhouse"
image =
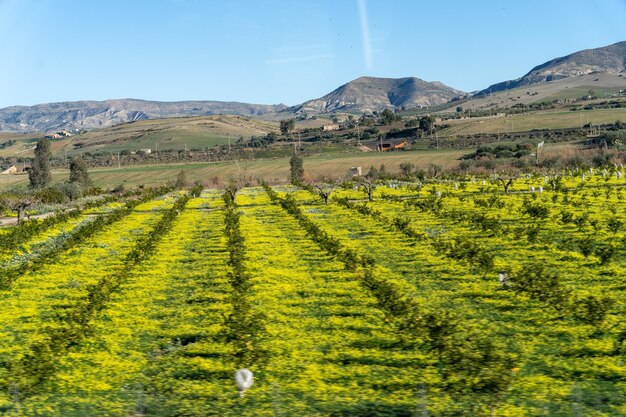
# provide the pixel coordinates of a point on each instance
(15, 169)
(327, 128)
(390, 146)
(59, 135)
(10, 170)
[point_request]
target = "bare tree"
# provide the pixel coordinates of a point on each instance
(368, 185)
(325, 189)
(232, 190)
(506, 184)
(18, 203)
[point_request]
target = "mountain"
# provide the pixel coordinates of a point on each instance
(608, 59)
(369, 93)
(85, 115)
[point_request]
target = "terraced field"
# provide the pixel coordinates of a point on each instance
(444, 299)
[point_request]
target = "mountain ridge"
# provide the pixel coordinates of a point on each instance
(366, 94)
(91, 114)
(361, 95)
(611, 59)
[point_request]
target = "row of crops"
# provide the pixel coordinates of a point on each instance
(446, 298)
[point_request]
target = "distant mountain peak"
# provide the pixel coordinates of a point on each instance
(367, 93)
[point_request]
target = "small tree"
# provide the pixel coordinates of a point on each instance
(39, 175)
(78, 172)
(271, 137)
(536, 280)
(181, 180)
(297, 169)
(372, 173)
(325, 189)
(287, 126)
(18, 203)
(387, 117)
(407, 168)
(368, 186)
(506, 183)
(232, 190)
(426, 124)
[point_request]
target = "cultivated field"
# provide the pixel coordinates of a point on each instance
(548, 119)
(273, 170)
(392, 307)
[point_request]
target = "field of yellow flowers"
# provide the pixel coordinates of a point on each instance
(441, 298)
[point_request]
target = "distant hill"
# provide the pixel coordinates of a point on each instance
(370, 93)
(99, 114)
(608, 59)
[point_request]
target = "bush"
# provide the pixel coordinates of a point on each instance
(591, 309)
(539, 283)
(51, 195)
(181, 180)
(72, 190)
(535, 210)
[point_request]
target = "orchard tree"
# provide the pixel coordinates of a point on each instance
(325, 189)
(39, 174)
(368, 185)
(18, 203)
(506, 182)
(232, 189)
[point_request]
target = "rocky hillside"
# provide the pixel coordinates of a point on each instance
(85, 115)
(370, 93)
(608, 59)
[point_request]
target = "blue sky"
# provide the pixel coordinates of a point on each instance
(276, 51)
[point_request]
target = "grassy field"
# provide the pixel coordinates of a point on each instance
(158, 134)
(22, 146)
(172, 133)
(549, 119)
(603, 85)
(273, 170)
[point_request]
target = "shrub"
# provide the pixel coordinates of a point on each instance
(71, 190)
(535, 210)
(591, 309)
(51, 195)
(539, 283)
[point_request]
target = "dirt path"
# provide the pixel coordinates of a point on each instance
(11, 221)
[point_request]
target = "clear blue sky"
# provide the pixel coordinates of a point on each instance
(276, 51)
